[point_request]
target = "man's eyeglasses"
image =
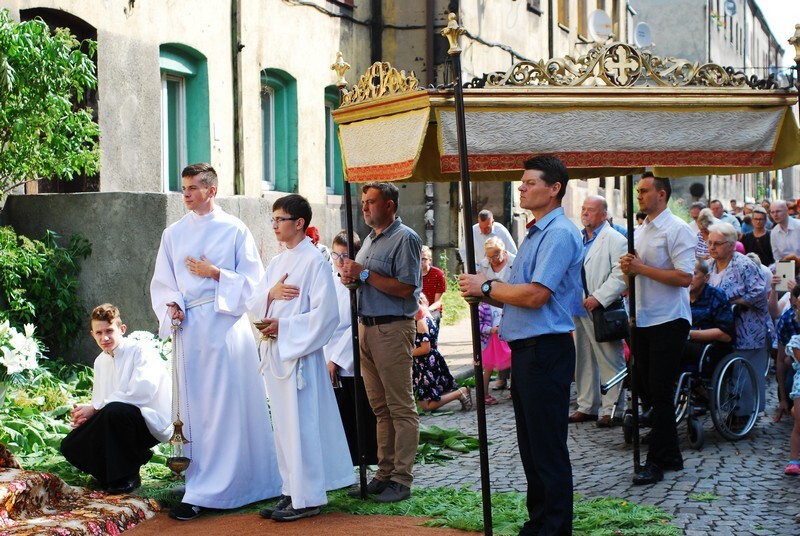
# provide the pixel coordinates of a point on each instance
(427, 259)
(338, 256)
(280, 219)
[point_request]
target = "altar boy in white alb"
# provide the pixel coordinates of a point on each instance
(206, 273)
(299, 306)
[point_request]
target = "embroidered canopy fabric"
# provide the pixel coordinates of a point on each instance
(597, 131)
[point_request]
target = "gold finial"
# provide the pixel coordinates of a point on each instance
(340, 66)
(451, 32)
(795, 41)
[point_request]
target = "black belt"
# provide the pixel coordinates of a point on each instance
(378, 320)
(519, 344)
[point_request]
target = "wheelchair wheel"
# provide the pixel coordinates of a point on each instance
(627, 428)
(681, 401)
(695, 433)
(733, 412)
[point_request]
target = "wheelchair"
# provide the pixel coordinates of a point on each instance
(726, 388)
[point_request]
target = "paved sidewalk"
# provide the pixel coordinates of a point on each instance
(747, 476)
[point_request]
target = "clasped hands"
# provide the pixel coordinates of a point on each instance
(81, 414)
(350, 271)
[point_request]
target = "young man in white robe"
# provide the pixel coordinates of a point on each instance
(300, 313)
(130, 410)
(206, 273)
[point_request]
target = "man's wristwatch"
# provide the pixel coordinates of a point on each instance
(486, 288)
(364, 275)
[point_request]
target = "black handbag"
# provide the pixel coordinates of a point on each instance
(610, 323)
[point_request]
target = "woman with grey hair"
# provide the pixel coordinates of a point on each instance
(746, 286)
(705, 219)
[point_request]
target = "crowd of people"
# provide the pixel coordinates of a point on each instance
(720, 279)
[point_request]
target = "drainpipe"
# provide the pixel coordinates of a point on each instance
(376, 31)
(550, 31)
(236, 67)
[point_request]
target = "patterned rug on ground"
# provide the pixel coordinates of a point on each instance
(33, 502)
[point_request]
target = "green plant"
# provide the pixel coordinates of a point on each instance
(39, 285)
(453, 305)
(43, 134)
(703, 497)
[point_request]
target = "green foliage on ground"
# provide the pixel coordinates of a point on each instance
(43, 134)
(453, 305)
(39, 285)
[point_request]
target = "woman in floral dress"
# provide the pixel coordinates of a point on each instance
(434, 386)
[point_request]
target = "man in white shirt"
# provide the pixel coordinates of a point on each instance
(785, 236)
(485, 228)
(130, 409)
(694, 212)
(663, 264)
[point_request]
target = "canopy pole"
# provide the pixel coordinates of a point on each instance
(452, 32)
(340, 66)
(637, 467)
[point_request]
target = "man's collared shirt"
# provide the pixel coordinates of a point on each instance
(577, 307)
(785, 242)
(551, 255)
(666, 243)
(396, 253)
(479, 239)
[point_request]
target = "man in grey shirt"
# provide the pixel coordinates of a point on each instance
(388, 266)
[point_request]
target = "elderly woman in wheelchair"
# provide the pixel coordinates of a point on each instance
(725, 358)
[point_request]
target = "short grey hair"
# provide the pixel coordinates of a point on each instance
(705, 219)
(725, 229)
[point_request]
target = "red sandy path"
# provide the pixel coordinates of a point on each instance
(335, 524)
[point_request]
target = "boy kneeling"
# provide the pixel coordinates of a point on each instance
(130, 410)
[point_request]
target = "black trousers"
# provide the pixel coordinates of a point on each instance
(540, 391)
(346, 400)
(657, 353)
(112, 445)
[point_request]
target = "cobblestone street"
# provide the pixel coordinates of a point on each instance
(754, 496)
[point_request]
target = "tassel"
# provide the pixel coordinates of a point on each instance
(301, 379)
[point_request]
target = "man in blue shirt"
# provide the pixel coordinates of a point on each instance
(544, 282)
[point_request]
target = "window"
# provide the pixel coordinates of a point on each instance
(334, 177)
(583, 19)
(279, 130)
(185, 124)
(173, 131)
(601, 4)
(563, 13)
(535, 6)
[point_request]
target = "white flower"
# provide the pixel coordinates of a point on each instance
(29, 329)
(3, 329)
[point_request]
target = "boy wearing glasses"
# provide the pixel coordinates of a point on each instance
(299, 306)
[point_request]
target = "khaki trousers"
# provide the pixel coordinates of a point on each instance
(386, 367)
(596, 363)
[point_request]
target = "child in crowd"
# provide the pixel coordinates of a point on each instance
(434, 386)
(298, 302)
(339, 355)
(495, 352)
(793, 350)
(130, 410)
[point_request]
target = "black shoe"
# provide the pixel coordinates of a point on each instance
(374, 487)
(650, 475)
(127, 485)
(185, 512)
(284, 501)
(500, 386)
(672, 466)
(293, 514)
(394, 492)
